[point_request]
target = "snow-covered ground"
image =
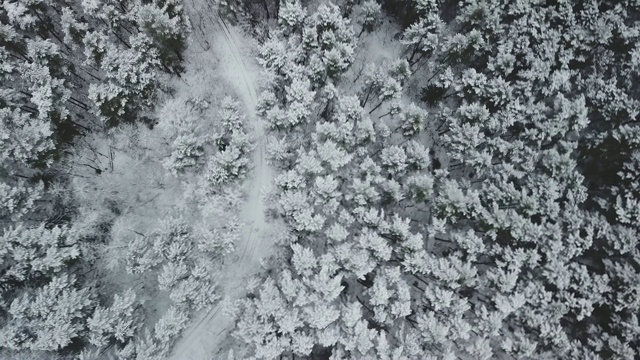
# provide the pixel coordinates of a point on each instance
(237, 66)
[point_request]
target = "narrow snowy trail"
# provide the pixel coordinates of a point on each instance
(202, 339)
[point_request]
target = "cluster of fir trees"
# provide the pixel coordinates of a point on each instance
(336, 183)
(518, 240)
(177, 259)
(174, 259)
(69, 69)
(72, 67)
(220, 149)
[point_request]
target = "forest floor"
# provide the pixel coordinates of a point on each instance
(235, 65)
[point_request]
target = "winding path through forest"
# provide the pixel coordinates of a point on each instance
(202, 339)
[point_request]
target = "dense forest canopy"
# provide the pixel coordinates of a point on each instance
(451, 179)
(475, 196)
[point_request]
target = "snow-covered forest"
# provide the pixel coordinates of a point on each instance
(319, 179)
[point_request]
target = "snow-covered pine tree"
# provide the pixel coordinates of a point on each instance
(118, 321)
(368, 16)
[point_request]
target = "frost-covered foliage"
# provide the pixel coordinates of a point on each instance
(168, 229)
(335, 177)
(62, 60)
(209, 139)
(182, 261)
(68, 72)
(231, 160)
(187, 152)
(515, 236)
(156, 344)
(321, 44)
(369, 15)
(115, 322)
(183, 270)
(18, 199)
(44, 306)
(525, 121)
(48, 318)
